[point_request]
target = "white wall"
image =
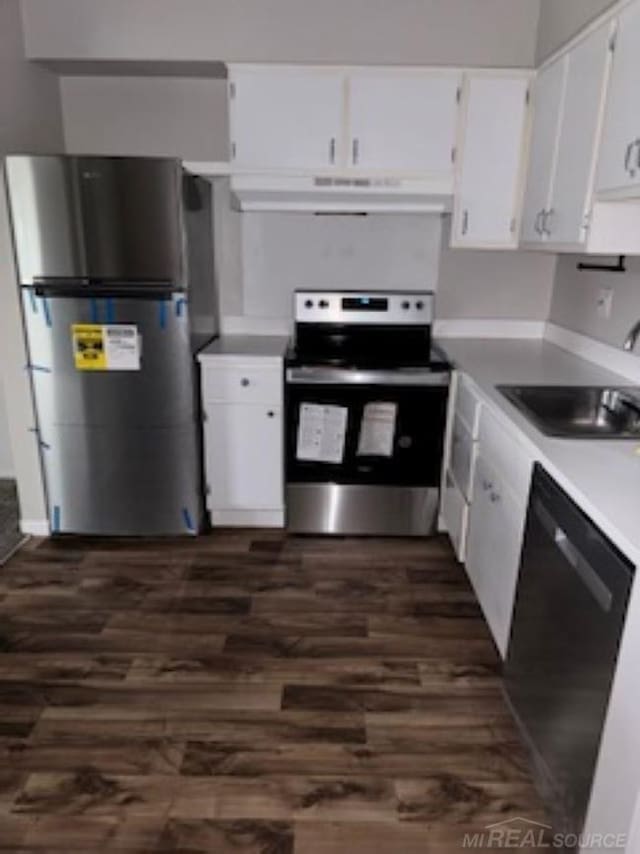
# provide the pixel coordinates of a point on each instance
(30, 121)
(6, 457)
(561, 19)
(153, 116)
(476, 32)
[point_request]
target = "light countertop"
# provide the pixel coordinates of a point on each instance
(266, 346)
(602, 476)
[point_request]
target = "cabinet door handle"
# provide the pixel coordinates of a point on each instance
(487, 485)
(536, 225)
(637, 147)
(494, 497)
(627, 158)
(547, 216)
(271, 414)
(332, 150)
(465, 221)
(244, 382)
(355, 151)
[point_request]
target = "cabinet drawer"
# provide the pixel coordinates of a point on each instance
(242, 383)
(463, 453)
(455, 513)
(506, 455)
(468, 406)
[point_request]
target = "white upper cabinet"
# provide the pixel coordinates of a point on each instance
(403, 121)
(489, 187)
(285, 118)
(547, 104)
(580, 126)
(619, 163)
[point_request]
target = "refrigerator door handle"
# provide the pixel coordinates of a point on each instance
(91, 290)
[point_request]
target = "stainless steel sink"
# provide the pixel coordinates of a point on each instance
(579, 412)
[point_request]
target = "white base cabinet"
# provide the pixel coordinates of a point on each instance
(496, 525)
(485, 492)
(243, 441)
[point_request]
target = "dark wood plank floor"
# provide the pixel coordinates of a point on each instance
(249, 693)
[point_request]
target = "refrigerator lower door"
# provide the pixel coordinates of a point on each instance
(120, 445)
(131, 481)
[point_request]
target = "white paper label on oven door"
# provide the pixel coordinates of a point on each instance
(377, 430)
(122, 347)
(321, 433)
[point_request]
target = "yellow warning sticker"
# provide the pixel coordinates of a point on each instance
(89, 346)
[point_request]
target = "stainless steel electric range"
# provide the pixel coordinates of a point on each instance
(366, 400)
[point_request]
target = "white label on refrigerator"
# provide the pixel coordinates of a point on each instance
(377, 430)
(321, 433)
(122, 347)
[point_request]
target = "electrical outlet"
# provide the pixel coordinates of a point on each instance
(605, 302)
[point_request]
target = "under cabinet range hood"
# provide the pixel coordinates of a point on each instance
(333, 194)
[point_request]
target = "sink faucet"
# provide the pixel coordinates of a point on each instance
(632, 337)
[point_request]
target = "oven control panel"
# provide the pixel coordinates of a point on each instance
(413, 308)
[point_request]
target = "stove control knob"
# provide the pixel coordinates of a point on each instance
(419, 305)
(308, 303)
(323, 303)
(406, 305)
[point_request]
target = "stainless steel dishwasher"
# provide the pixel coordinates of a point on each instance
(571, 601)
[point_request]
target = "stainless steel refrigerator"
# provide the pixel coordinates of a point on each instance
(115, 265)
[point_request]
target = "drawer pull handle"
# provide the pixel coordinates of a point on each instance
(244, 382)
(270, 413)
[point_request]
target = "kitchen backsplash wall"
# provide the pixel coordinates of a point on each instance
(262, 257)
(482, 284)
(285, 251)
(575, 299)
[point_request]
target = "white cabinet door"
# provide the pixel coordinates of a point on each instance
(285, 118)
(244, 457)
(488, 192)
(496, 525)
(619, 163)
(579, 135)
(547, 104)
(403, 121)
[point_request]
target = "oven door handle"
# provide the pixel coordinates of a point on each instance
(354, 376)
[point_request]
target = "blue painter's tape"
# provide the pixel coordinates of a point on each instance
(42, 368)
(188, 522)
(34, 301)
(111, 310)
(47, 311)
(55, 519)
(93, 310)
(181, 305)
(162, 313)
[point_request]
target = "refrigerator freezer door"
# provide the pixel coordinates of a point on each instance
(161, 393)
(97, 218)
(126, 481)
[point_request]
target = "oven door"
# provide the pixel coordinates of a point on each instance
(364, 449)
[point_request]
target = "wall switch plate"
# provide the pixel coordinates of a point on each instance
(605, 302)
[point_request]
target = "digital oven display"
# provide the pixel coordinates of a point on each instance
(365, 304)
